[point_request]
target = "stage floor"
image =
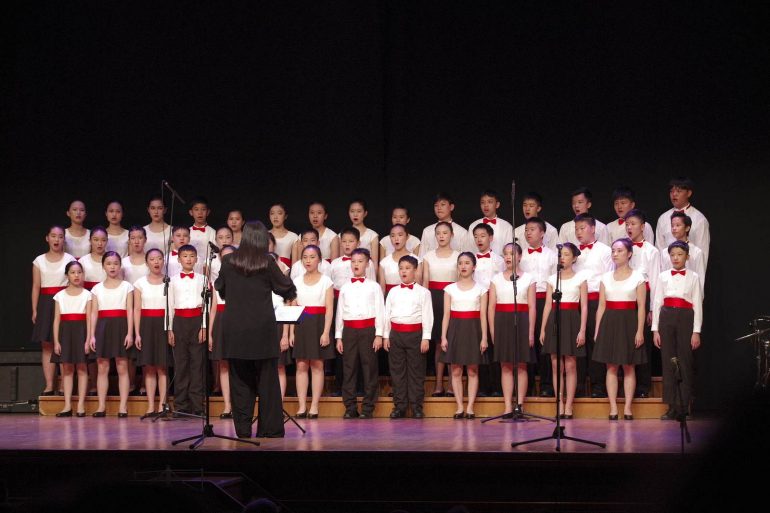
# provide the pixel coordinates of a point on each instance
(29, 432)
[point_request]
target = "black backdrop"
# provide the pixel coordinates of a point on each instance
(393, 101)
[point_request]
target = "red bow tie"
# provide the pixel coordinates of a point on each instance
(674, 273)
(174, 253)
(538, 250)
(345, 259)
(410, 286)
(487, 221)
(485, 255)
(586, 246)
(621, 221)
(353, 280)
(638, 244)
(187, 275)
(199, 229)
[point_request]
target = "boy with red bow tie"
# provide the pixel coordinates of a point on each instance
(502, 230)
(680, 191)
(200, 232)
(623, 201)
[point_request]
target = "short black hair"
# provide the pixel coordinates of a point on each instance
(491, 193)
(679, 244)
(443, 196)
(586, 218)
(585, 191)
(351, 230)
(137, 228)
(361, 251)
(636, 213)
(532, 195)
(179, 227)
(447, 224)
(187, 247)
(623, 192)
(109, 254)
(400, 207)
(682, 182)
(309, 230)
(537, 221)
(485, 227)
(573, 249)
(410, 259)
(687, 220)
(361, 202)
(467, 254)
(199, 200)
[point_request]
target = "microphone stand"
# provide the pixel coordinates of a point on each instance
(207, 428)
(518, 413)
(166, 413)
(681, 414)
(558, 432)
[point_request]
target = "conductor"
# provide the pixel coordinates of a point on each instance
(250, 340)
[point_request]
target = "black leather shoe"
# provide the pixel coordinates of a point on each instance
(518, 410)
(470, 416)
(459, 416)
(496, 394)
(226, 415)
(366, 415)
(67, 413)
(417, 413)
(80, 414)
(47, 393)
(449, 393)
(302, 415)
(437, 394)
(669, 415)
(99, 414)
(243, 435)
(613, 417)
(351, 414)
(565, 416)
(628, 417)
(397, 414)
(122, 415)
(507, 416)
(312, 415)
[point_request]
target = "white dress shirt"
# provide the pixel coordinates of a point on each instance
(646, 260)
(685, 287)
(359, 301)
(699, 231)
(694, 263)
(503, 233)
(567, 233)
(340, 271)
(594, 261)
(617, 230)
(487, 267)
(540, 265)
(409, 306)
(550, 239)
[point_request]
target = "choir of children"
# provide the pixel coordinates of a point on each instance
(470, 299)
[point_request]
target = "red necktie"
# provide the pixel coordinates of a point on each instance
(487, 221)
(638, 244)
(410, 286)
(674, 273)
(538, 250)
(485, 255)
(174, 253)
(353, 280)
(621, 221)
(199, 229)
(586, 246)
(187, 275)
(345, 259)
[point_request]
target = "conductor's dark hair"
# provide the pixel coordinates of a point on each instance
(682, 182)
(585, 191)
(687, 220)
(271, 238)
(443, 196)
(627, 243)
(410, 260)
(484, 227)
(227, 247)
(572, 248)
(361, 251)
(96, 229)
(251, 256)
(351, 230)
(137, 228)
(402, 226)
(623, 192)
(109, 254)
(469, 255)
(585, 218)
(637, 214)
(361, 202)
(153, 250)
(199, 200)
(532, 195)
(491, 194)
(309, 230)
(537, 221)
(444, 223)
(70, 264)
(679, 244)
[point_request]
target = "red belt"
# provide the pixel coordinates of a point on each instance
(315, 310)
(336, 293)
(153, 312)
(406, 328)
(187, 312)
(540, 295)
(72, 317)
(220, 307)
(593, 296)
(285, 260)
(456, 314)
(511, 307)
(105, 314)
(88, 285)
(568, 306)
(360, 323)
(388, 287)
(677, 302)
(439, 285)
(621, 305)
(647, 285)
(51, 291)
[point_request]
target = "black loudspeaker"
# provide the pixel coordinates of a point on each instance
(21, 380)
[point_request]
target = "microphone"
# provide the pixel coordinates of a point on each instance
(167, 185)
(213, 247)
(513, 189)
(677, 370)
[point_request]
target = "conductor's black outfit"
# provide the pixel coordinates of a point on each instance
(250, 344)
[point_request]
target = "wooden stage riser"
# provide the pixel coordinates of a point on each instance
(443, 407)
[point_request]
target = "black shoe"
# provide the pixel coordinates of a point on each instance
(67, 413)
(47, 393)
(496, 394)
(122, 415)
(546, 393)
(80, 414)
(613, 417)
(243, 435)
(92, 393)
(397, 414)
(60, 393)
(390, 394)
(518, 410)
(312, 415)
(470, 416)
(226, 415)
(565, 416)
(417, 413)
(642, 395)
(482, 394)
(628, 417)
(598, 395)
(302, 415)
(449, 393)
(351, 414)
(459, 416)
(99, 414)
(366, 415)
(669, 415)
(437, 394)
(507, 416)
